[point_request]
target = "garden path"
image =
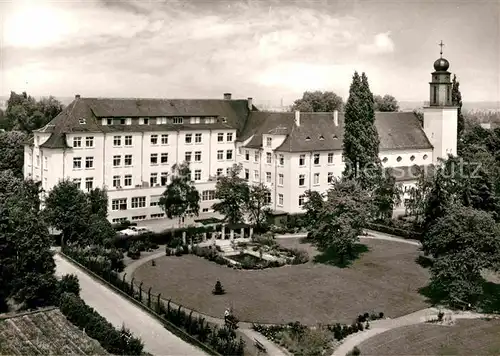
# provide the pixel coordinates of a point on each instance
(377, 327)
(119, 311)
(418, 317)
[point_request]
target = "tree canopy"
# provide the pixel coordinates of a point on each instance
(181, 197)
(26, 263)
(341, 218)
(25, 113)
(318, 101)
(12, 151)
(232, 191)
(386, 103)
(463, 242)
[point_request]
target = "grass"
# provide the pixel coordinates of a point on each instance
(385, 279)
(466, 337)
(45, 332)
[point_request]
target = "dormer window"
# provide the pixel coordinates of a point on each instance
(146, 121)
(308, 138)
(109, 121)
(224, 119)
(122, 121)
(335, 137)
(82, 121)
(177, 120)
(321, 138)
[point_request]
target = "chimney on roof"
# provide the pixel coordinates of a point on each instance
(297, 118)
(336, 117)
(250, 104)
(77, 96)
(227, 96)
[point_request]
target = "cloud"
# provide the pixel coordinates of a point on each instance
(382, 43)
(188, 49)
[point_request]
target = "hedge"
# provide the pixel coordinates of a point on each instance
(168, 237)
(213, 340)
(404, 233)
(116, 342)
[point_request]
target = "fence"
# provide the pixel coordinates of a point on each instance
(172, 319)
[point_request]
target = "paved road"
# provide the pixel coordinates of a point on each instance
(119, 311)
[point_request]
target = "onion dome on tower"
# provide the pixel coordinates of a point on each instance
(440, 84)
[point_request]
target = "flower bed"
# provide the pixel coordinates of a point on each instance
(299, 339)
(280, 256)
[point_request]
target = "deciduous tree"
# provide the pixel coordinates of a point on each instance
(180, 198)
(314, 203)
(342, 219)
(387, 195)
(232, 192)
(12, 151)
(258, 203)
(463, 242)
(67, 209)
(318, 101)
(26, 114)
(387, 103)
(26, 262)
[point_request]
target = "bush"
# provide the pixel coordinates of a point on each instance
(218, 290)
(134, 253)
(84, 317)
(69, 284)
(404, 233)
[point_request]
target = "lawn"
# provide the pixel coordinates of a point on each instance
(384, 279)
(45, 332)
(466, 337)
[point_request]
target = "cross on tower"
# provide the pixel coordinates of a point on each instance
(441, 45)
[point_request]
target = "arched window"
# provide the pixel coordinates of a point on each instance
(425, 157)
(435, 94)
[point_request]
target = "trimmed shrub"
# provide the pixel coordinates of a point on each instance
(69, 284)
(84, 317)
(218, 290)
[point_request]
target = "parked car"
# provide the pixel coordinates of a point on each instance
(133, 231)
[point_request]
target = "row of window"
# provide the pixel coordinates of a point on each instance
(302, 178)
(154, 139)
(161, 120)
(140, 202)
(281, 158)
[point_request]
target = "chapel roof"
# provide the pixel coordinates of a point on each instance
(318, 132)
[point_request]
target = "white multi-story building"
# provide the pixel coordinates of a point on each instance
(128, 146)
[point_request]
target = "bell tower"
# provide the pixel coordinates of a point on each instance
(440, 117)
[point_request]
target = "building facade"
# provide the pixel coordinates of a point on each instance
(128, 146)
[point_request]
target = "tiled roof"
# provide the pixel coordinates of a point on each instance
(89, 110)
(317, 131)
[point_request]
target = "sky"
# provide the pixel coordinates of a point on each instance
(270, 50)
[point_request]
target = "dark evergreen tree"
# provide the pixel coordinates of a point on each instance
(361, 141)
(456, 99)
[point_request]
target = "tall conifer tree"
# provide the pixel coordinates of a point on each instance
(361, 141)
(456, 98)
